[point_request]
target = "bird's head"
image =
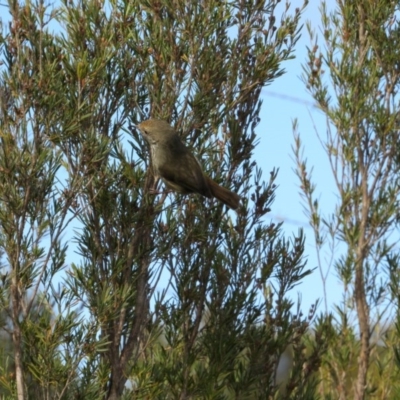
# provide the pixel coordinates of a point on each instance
(156, 131)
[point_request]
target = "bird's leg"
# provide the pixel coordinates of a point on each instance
(155, 191)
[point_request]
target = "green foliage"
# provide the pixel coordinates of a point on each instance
(354, 78)
(166, 296)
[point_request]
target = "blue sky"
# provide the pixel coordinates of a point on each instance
(283, 101)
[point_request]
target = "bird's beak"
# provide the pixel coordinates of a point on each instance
(133, 126)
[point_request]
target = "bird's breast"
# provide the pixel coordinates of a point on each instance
(160, 156)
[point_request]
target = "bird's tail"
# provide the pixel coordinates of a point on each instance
(229, 198)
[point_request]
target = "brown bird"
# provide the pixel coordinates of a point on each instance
(178, 167)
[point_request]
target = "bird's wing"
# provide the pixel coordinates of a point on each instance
(185, 176)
